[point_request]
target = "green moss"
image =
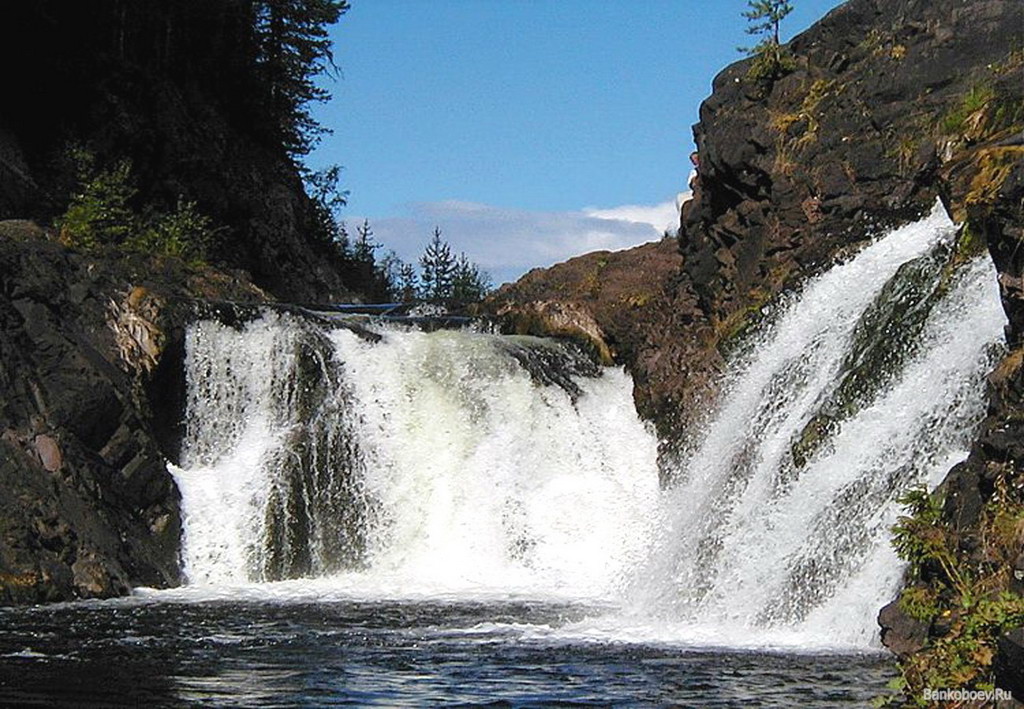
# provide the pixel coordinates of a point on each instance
(733, 331)
(994, 166)
(971, 103)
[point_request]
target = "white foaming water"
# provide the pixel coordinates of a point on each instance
(768, 544)
(472, 476)
(456, 465)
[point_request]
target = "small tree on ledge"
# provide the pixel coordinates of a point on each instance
(770, 60)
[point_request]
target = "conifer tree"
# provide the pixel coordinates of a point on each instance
(406, 283)
(294, 48)
(764, 17)
(770, 61)
(365, 247)
(469, 283)
(438, 269)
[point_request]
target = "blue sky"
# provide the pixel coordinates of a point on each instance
(528, 130)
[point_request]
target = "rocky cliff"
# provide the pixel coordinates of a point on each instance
(861, 135)
(88, 368)
(174, 88)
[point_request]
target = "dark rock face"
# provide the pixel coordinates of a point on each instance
(88, 509)
(891, 104)
(851, 142)
(848, 143)
(1009, 664)
(901, 633)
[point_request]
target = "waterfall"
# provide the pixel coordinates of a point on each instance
(459, 462)
(422, 461)
(867, 382)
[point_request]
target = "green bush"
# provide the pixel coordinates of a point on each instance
(185, 233)
(99, 212)
(771, 61)
(963, 598)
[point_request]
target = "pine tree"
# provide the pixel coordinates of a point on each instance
(406, 283)
(764, 16)
(438, 269)
(386, 273)
(295, 48)
(342, 241)
(469, 283)
(328, 199)
(365, 247)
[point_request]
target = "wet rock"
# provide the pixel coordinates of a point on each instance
(88, 507)
(94, 578)
(902, 634)
(1009, 663)
(1017, 575)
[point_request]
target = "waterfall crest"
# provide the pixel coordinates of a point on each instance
(442, 460)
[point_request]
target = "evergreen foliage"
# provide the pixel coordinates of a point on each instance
(407, 283)
(99, 212)
(365, 248)
(102, 214)
(469, 283)
(437, 269)
(322, 187)
(770, 59)
(294, 49)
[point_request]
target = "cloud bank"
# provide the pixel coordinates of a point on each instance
(508, 242)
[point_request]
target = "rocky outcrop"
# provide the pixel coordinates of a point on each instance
(89, 508)
(632, 307)
(861, 135)
(91, 379)
(887, 106)
(849, 142)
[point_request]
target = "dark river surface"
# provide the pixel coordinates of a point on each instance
(159, 652)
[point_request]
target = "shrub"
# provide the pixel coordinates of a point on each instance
(185, 233)
(99, 212)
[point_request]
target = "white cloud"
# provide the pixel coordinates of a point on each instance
(508, 242)
(661, 216)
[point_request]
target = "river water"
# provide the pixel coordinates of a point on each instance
(162, 652)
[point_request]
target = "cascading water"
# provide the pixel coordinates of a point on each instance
(869, 382)
(417, 464)
(422, 462)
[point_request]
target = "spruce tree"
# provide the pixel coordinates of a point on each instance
(438, 269)
(770, 61)
(365, 247)
(765, 16)
(469, 283)
(294, 49)
(406, 283)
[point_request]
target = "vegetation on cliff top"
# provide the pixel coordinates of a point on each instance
(770, 58)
